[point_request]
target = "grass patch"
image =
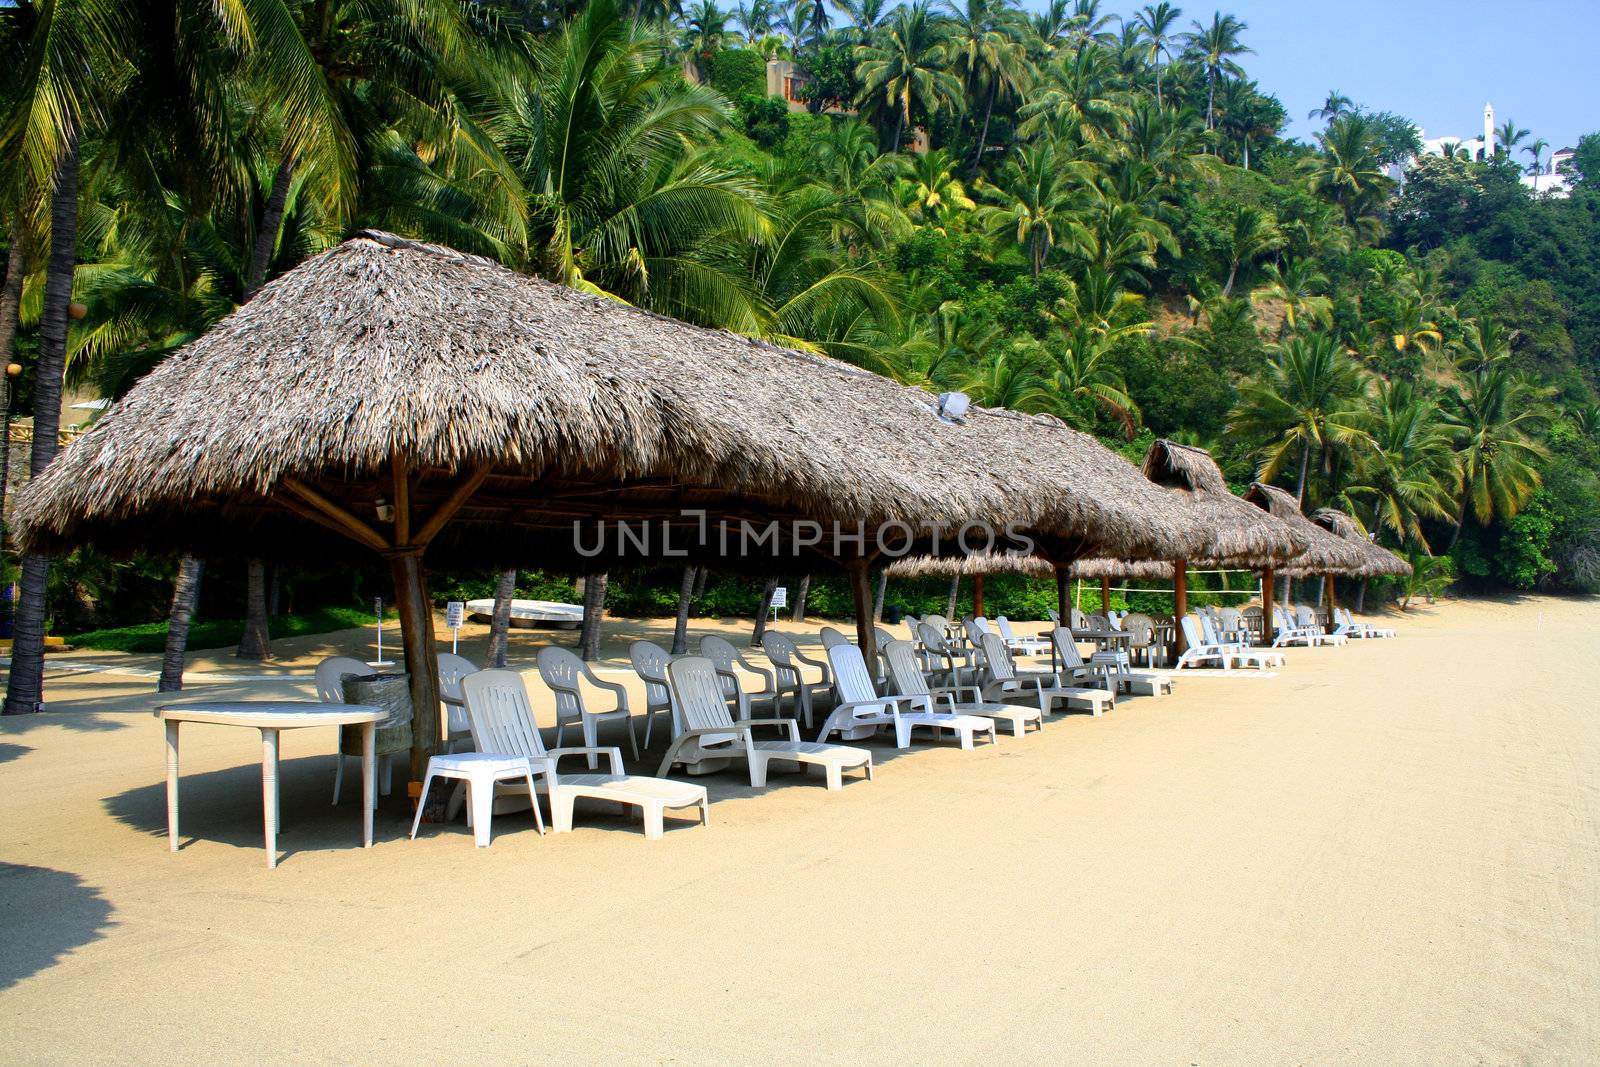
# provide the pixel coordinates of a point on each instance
(218, 633)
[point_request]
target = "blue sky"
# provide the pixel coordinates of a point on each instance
(1436, 62)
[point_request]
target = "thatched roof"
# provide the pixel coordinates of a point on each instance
(1237, 532)
(980, 563)
(1106, 567)
(1325, 553)
(1376, 560)
(529, 407)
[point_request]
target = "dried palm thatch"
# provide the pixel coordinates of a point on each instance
(1238, 534)
(387, 372)
(1325, 553)
(973, 566)
(1105, 567)
(1376, 560)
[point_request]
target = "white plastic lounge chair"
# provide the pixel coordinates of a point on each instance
(697, 689)
(906, 679)
(861, 710)
(1026, 646)
(1244, 653)
(1199, 652)
(729, 662)
(1306, 619)
(1003, 681)
(479, 772)
(502, 723)
(1112, 667)
(832, 637)
(787, 661)
(1348, 626)
(650, 664)
(329, 680)
(1291, 633)
(561, 670)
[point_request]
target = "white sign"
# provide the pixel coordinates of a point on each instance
(455, 614)
(780, 597)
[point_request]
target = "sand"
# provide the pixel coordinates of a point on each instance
(1386, 853)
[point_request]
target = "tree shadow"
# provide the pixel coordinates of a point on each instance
(48, 914)
(9, 752)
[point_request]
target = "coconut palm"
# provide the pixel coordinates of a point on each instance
(1077, 99)
(1305, 401)
(1033, 199)
(1493, 415)
(1297, 286)
(1482, 344)
(1348, 173)
(1410, 325)
(865, 16)
(1155, 23)
(1082, 379)
(703, 34)
(753, 19)
(1507, 136)
(1535, 153)
(1014, 377)
(988, 55)
(906, 69)
(930, 190)
(1215, 47)
(1120, 239)
(1333, 106)
(1407, 474)
(1252, 234)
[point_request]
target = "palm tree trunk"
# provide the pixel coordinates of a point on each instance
(877, 600)
(701, 575)
(1233, 276)
(899, 128)
(799, 614)
(686, 592)
(255, 642)
(594, 610)
(267, 232)
(988, 112)
(10, 303)
(1361, 596)
(25, 690)
(500, 622)
(185, 591)
(1461, 522)
(955, 591)
(1305, 460)
(765, 609)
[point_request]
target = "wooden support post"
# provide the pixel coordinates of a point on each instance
(1063, 597)
(1180, 605)
(1105, 595)
(422, 656)
(977, 596)
(1269, 590)
(861, 588)
(1331, 601)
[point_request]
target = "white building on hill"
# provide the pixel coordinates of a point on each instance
(1551, 178)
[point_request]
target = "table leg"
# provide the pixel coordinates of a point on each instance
(269, 792)
(369, 779)
(172, 783)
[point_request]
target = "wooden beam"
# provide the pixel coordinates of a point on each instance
(1180, 605)
(452, 504)
(1269, 582)
(977, 597)
(1063, 596)
(1105, 595)
(422, 656)
(1331, 600)
(401, 475)
(343, 521)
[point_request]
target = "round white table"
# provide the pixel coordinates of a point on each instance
(271, 717)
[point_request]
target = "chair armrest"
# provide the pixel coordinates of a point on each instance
(792, 726)
(682, 741)
(800, 657)
(611, 752)
(766, 675)
(955, 690)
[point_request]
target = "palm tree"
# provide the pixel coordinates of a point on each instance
(1304, 399)
(1347, 171)
(1013, 377)
(1081, 375)
(1535, 152)
(906, 71)
(1253, 234)
(753, 19)
(865, 16)
(1297, 285)
(1215, 47)
(1155, 23)
(1493, 415)
(988, 55)
(1033, 198)
(1410, 325)
(930, 188)
(1120, 239)
(1077, 99)
(1408, 471)
(707, 26)
(1507, 136)
(1335, 105)
(1482, 344)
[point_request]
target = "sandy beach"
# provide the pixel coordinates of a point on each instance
(1385, 853)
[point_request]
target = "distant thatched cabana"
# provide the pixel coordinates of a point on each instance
(1237, 532)
(1376, 561)
(1325, 552)
(398, 398)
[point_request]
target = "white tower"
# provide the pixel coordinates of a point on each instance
(1488, 131)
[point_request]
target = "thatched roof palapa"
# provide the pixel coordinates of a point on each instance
(1238, 533)
(1377, 561)
(979, 564)
(1106, 567)
(1325, 553)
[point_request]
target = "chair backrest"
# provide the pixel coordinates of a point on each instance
(1251, 612)
(561, 668)
(697, 688)
(1066, 648)
(780, 649)
(997, 659)
(1304, 615)
(453, 668)
(883, 637)
(1003, 624)
(1080, 621)
(650, 664)
(1228, 618)
(1099, 622)
(905, 673)
(1053, 615)
(832, 638)
(938, 622)
(499, 715)
(331, 674)
(932, 638)
(1193, 636)
(974, 631)
(911, 622)
(850, 675)
(981, 623)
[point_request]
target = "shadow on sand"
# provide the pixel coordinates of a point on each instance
(47, 915)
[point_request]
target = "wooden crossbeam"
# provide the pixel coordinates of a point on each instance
(341, 520)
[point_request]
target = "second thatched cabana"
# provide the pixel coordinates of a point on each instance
(1376, 561)
(1325, 554)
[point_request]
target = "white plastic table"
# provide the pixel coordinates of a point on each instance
(272, 717)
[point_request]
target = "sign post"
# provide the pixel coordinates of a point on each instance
(377, 610)
(455, 615)
(780, 599)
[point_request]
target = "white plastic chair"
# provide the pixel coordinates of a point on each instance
(729, 662)
(1349, 627)
(561, 670)
(1003, 680)
(453, 668)
(1306, 619)
(502, 723)
(1291, 633)
(951, 663)
(1111, 667)
(861, 711)
(698, 691)
(650, 664)
(1028, 646)
(906, 679)
(329, 680)
(787, 661)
